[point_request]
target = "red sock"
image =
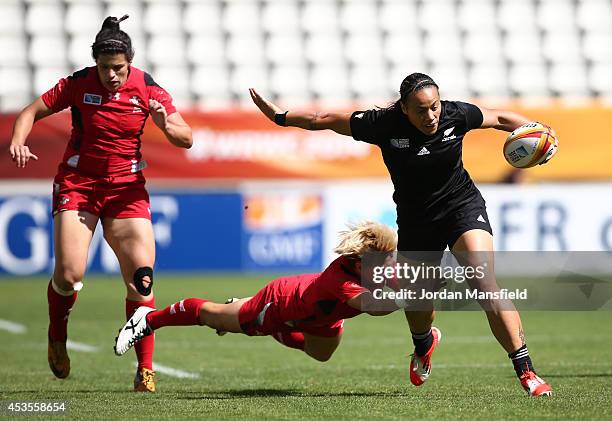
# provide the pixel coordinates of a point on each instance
(183, 313)
(144, 348)
(290, 339)
(59, 310)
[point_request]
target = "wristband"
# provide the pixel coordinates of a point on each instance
(281, 118)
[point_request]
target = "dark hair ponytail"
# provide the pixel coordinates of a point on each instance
(112, 40)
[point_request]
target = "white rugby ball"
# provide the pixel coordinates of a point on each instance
(529, 145)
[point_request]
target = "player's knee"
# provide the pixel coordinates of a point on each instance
(143, 280)
(68, 279)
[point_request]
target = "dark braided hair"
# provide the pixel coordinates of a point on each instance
(112, 40)
(411, 84)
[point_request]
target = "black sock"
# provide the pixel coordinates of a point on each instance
(422, 342)
(521, 360)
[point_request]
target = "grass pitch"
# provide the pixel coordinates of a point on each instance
(239, 377)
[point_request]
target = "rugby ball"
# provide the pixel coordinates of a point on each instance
(529, 145)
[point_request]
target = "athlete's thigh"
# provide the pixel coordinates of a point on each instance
(132, 241)
(322, 346)
(72, 234)
(223, 317)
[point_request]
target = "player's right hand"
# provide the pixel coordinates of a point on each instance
(20, 154)
(266, 107)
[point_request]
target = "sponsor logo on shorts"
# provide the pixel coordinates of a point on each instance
(63, 200)
(481, 219)
(92, 99)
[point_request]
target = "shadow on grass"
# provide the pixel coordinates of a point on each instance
(577, 375)
(275, 393)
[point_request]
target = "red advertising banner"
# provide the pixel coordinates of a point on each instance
(245, 145)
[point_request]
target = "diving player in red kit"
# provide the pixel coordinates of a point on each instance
(100, 178)
(305, 312)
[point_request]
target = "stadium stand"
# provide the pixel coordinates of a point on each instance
(208, 51)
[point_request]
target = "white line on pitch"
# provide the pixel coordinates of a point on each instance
(12, 327)
(80, 347)
(173, 372)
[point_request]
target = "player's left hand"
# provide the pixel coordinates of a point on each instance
(158, 114)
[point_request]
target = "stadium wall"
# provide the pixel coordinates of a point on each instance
(289, 226)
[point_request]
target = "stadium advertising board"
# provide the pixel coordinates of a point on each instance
(545, 217)
(282, 231)
(193, 231)
(243, 145)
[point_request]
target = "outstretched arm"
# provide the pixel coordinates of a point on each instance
(338, 122)
(20, 153)
(502, 120)
(366, 303)
(176, 130)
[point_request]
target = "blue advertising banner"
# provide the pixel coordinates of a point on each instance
(193, 231)
(282, 231)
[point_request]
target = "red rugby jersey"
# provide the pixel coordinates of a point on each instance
(317, 299)
(106, 126)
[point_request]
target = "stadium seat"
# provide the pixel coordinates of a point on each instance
(320, 16)
(324, 49)
(45, 19)
(84, 17)
(46, 78)
(568, 80)
(599, 79)
(289, 82)
(134, 26)
(175, 80)
(517, 16)
(211, 85)
(523, 48)
(597, 46)
(162, 18)
(477, 16)
(285, 49)
(556, 15)
(248, 76)
(79, 51)
(366, 49)
(206, 49)
(563, 47)
(442, 48)
(330, 84)
(481, 47)
(16, 81)
(164, 49)
(438, 16)
(14, 50)
(369, 83)
(594, 15)
(398, 16)
(359, 17)
(47, 50)
(528, 80)
(452, 80)
(241, 18)
(245, 49)
(12, 16)
(403, 48)
(281, 18)
(202, 17)
(489, 80)
(399, 71)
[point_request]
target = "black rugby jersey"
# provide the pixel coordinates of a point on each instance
(427, 171)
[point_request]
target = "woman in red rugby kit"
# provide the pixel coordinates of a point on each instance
(100, 178)
(304, 312)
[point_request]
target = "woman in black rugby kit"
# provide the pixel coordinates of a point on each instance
(438, 204)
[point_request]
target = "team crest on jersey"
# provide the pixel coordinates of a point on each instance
(92, 99)
(400, 143)
(134, 100)
(448, 135)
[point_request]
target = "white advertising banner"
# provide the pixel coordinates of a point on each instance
(543, 217)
